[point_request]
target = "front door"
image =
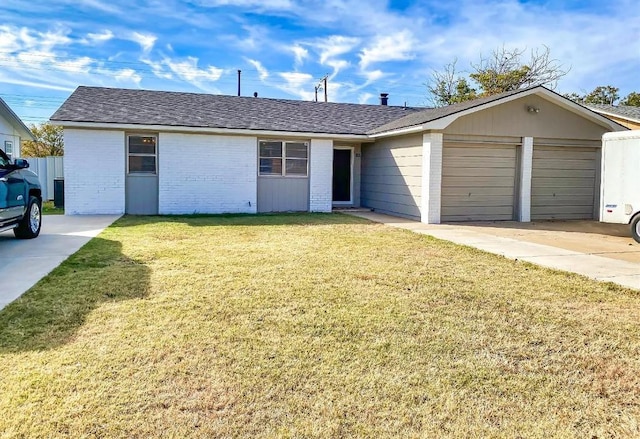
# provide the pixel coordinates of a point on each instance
(342, 176)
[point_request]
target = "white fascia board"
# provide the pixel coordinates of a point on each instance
(205, 130)
(400, 132)
(631, 134)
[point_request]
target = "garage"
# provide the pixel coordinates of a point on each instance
(564, 180)
(479, 180)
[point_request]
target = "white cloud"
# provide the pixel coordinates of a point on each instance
(298, 84)
(262, 72)
(146, 41)
(300, 54)
(363, 98)
(99, 37)
(334, 46)
(128, 75)
(395, 47)
(188, 70)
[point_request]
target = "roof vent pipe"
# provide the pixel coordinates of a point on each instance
(384, 98)
(239, 73)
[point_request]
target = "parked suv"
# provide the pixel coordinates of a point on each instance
(20, 198)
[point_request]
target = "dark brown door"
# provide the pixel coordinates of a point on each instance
(342, 175)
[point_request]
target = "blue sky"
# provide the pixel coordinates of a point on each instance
(284, 47)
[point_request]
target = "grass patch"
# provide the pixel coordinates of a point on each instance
(313, 326)
(49, 209)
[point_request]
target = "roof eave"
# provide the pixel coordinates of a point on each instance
(618, 115)
(207, 130)
(15, 121)
(443, 122)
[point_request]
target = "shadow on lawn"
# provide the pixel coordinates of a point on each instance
(50, 313)
(260, 219)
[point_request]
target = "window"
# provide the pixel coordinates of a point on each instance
(8, 149)
(284, 158)
(142, 154)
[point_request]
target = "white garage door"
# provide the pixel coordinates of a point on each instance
(564, 182)
(478, 182)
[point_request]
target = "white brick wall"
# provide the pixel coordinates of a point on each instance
(94, 169)
(321, 175)
(432, 145)
(207, 173)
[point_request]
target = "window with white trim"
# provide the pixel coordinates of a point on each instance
(284, 159)
(8, 149)
(142, 154)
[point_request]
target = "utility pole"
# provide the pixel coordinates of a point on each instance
(322, 85)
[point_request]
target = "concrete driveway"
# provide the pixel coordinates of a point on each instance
(603, 252)
(25, 262)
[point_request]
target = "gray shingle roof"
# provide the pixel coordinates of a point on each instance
(623, 111)
(145, 107)
(431, 114)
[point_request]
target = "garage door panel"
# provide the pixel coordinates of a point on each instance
(478, 201)
(478, 182)
(538, 191)
(559, 153)
(569, 173)
(563, 183)
(564, 164)
(464, 191)
(479, 162)
(496, 151)
(462, 172)
(558, 202)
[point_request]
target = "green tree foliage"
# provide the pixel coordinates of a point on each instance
(447, 88)
(632, 100)
(504, 70)
(48, 141)
(602, 95)
(605, 94)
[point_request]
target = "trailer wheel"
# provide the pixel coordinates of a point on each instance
(635, 227)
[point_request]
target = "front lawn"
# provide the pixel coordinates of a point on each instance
(321, 326)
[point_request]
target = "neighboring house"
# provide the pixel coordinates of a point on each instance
(623, 114)
(12, 131)
(527, 154)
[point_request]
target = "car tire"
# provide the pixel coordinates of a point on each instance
(635, 227)
(30, 225)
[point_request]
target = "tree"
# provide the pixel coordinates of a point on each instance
(504, 70)
(48, 141)
(632, 99)
(447, 87)
(605, 94)
(602, 95)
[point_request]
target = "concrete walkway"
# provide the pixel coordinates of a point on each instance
(595, 267)
(24, 262)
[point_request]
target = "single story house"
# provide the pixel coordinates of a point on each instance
(623, 114)
(521, 155)
(12, 131)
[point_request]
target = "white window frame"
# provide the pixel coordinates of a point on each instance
(137, 154)
(284, 158)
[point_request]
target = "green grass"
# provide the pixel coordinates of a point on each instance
(313, 326)
(49, 209)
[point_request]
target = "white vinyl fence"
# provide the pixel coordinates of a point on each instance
(47, 168)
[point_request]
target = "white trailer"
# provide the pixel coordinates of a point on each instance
(620, 185)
